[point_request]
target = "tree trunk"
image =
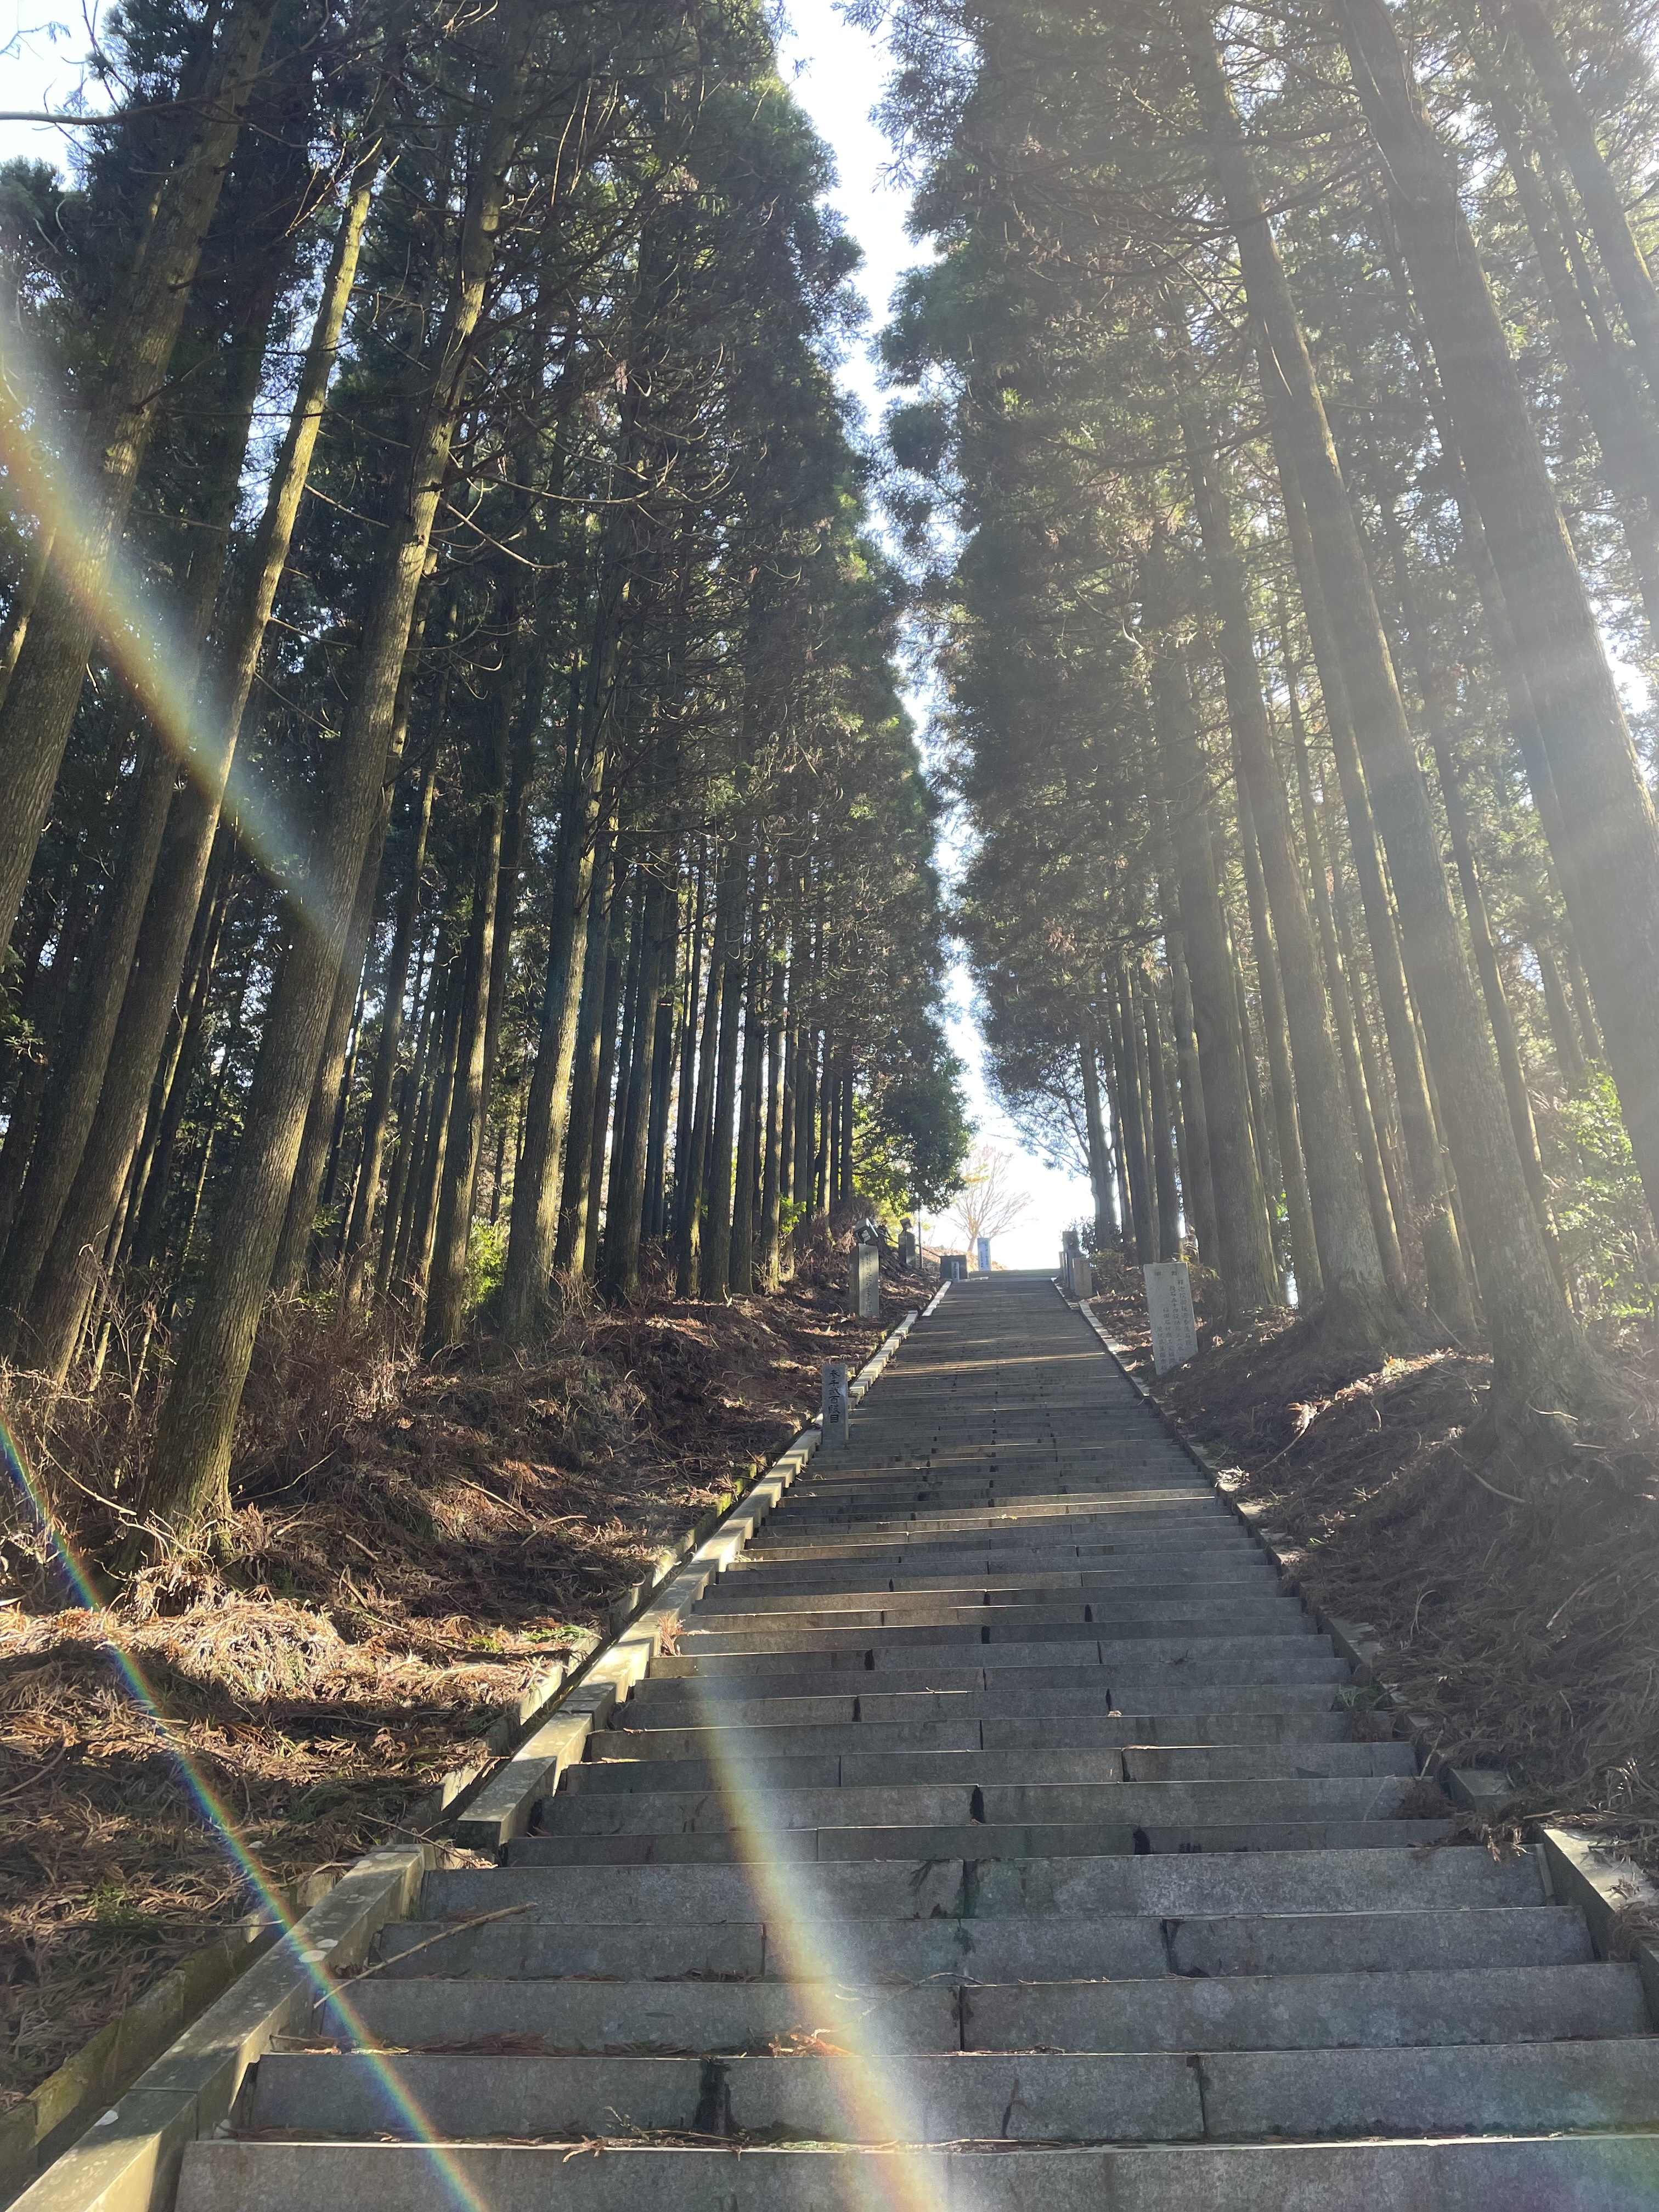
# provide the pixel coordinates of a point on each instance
(1366, 1136)
(1609, 867)
(187, 1482)
(39, 701)
(1242, 1256)
(222, 696)
(1444, 1273)
(628, 1201)
(294, 1247)
(447, 1286)
(715, 1272)
(1539, 1358)
(1158, 1107)
(623, 930)
(750, 1140)
(1431, 684)
(1131, 1109)
(1275, 1037)
(1354, 1288)
(1614, 241)
(771, 1204)
(365, 1201)
(688, 1166)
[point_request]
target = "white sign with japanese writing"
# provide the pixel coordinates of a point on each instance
(1169, 1303)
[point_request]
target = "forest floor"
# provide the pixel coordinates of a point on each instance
(411, 1545)
(1527, 1636)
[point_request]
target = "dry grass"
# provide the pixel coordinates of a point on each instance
(1526, 1635)
(409, 1546)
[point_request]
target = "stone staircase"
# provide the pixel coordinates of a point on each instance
(992, 1841)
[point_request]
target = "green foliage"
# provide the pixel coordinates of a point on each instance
(1597, 1216)
(486, 1262)
(912, 1137)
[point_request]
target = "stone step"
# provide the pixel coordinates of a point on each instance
(1228, 1553)
(1378, 1942)
(922, 1804)
(1256, 1657)
(1036, 1947)
(737, 1766)
(1009, 1535)
(1303, 2012)
(1285, 2012)
(1012, 1698)
(955, 1626)
(739, 1602)
(1039, 1947)
(1059, 1735)
(1196, 1529)
(1047, 2097)
(976, 1842)
(695, 2017)
(1563, 2173)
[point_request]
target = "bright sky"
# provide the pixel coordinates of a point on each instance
(836, 73)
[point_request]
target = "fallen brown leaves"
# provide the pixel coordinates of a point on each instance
(410, 1546)
(1525, 1636)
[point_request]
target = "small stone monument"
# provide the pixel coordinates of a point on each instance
(907, 1248)
(865, 1297)
(953, 1266)
(837, 1401)
(1169, 1305)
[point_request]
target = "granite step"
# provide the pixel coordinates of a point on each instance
(1563, 2173)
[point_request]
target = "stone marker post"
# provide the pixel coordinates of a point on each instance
(1169, 1306)
(907, 1248)
(837, 1402)
(865, 1297)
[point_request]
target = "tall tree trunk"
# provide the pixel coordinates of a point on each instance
(39, 701)
(749, 1099)
(152, 1167)
(1131, 1112)
(628, 1201)
(447, 1286)
(688, 1165)
(65, 1280)
(1444, 1272)
(1275, 1037)
(715, 1272)
(187, 1480)
(1094, 1123)
(1628, 440)
(1242, 1256)
(365, 1201)
(1432, 684)
(1615, 241)
(294, 1248)
(654, 1222)
(1354, 1289)
(413, 1097)
(1157, 1102)
(622, 940)
(1609, 867)
(1366, 1135)
(1539, 1360)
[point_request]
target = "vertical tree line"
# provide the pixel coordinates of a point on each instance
(460, 828)
(1288, 381)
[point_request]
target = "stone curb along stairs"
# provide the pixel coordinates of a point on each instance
(127, 2160)
(987, 1836)
(1584, 1871)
